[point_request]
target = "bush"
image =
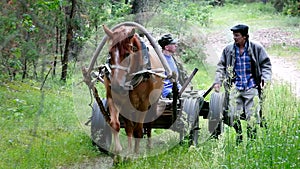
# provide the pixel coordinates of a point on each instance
(292, 8)
(288, 7)
(241, 1)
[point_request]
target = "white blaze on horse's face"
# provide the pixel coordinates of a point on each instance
(119, 71)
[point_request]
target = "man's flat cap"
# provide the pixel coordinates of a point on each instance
(166, 40)
(243, 29)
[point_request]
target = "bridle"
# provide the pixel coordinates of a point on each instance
(124, 68)
(132, 78)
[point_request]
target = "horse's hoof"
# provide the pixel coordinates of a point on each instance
(117, 159)
(149, 146)
(118, 149)
(128, 158)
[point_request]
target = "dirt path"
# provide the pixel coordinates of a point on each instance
(284, 69)
(101, 162)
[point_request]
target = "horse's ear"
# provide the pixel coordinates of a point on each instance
(108, 32)
(132, 32)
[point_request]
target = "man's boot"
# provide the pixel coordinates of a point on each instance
(239, 133)
(251, 133)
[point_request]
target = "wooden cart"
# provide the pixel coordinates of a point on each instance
(180, 113)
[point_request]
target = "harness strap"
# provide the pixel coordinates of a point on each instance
(157, 72)
(119, 67)
(107, 68)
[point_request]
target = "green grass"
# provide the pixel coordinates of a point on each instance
(291, 53)
(255, 14)
(39, 130)
(55, 137)
(276, 147)
(45, 129)
(285, 51)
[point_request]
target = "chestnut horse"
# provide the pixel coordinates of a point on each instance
(133, 84)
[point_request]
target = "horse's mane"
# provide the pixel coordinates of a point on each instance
(121, 38)
(127, 42)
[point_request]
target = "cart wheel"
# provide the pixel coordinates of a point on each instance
(215, 115)
(100, 130)
(196, 128)
(191, 106)
(187, 109)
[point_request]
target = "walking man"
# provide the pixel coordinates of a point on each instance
(244, 69)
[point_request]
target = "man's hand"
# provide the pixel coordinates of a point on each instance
(217, 87)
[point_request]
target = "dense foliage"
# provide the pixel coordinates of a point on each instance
(49, 33)
(40, 37)
(287, 7)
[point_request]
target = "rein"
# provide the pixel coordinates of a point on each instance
(119, 67)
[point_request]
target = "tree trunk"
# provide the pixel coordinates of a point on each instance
(24, 68)
(141, 10)
(35, 75)
(69, 37)
(56, 51)
(24, 53)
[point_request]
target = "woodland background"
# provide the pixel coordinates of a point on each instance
(44, 106)
(39, 35)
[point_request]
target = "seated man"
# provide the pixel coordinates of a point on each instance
(168, 45)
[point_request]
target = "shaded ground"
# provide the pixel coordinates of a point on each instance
(101, 162)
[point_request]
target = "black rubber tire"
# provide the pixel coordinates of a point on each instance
(191, 107)
(195, 114)
(215, 115)
(100, 131)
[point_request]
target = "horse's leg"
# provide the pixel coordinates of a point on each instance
(129, 132)
(152, 114)
(115, 125)
(138, 135)
(148, 129)
(129, 141)
(117, 148)
(139, 126)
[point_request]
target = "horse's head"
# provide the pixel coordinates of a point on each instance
(125, 55)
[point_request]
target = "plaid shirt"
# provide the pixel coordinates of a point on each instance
(244, 79)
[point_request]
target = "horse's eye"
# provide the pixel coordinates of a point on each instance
(108, 56)
(134, 48)
(129, 37)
